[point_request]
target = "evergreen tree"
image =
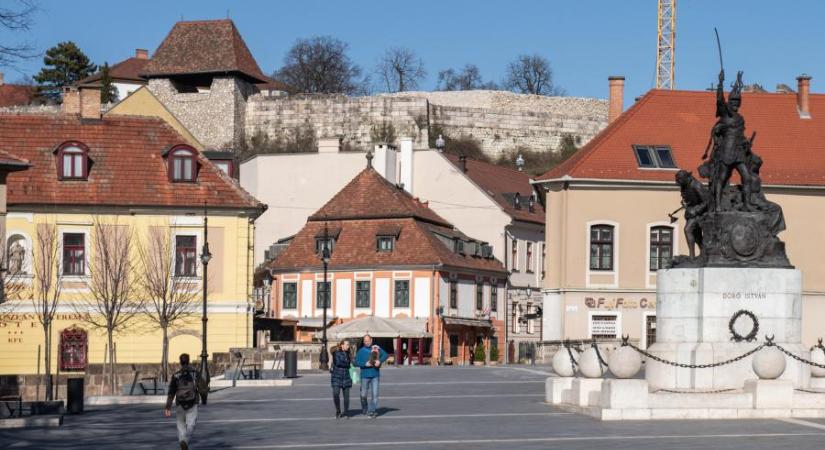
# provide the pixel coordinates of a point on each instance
(64, 65)
(108, 91)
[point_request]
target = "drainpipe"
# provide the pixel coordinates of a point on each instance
(506, 302)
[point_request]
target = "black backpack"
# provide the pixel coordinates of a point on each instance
(187, 387)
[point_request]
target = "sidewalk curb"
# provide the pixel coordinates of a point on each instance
(31, 422)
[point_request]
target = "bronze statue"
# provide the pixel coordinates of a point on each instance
(695, 199)
(733, 226)
(730, 147)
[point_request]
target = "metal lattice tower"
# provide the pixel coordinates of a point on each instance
(666, 50)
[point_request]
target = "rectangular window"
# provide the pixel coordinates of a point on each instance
(453, 295)
(74, 254)
(385, 243)
(479, 296)
(654, 156)
(493, 297)
(650, 330)
(661, 247)
(514, 255)
(225, 166)
(320, 243)
(453, 346)
(402, 293)
(362, 294)
(603, 327)
(322, 295)
(186, 259)
(290, 295)
(72, 165)
(601, 247)
(529, 265)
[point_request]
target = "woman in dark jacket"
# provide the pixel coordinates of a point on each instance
(341, 381)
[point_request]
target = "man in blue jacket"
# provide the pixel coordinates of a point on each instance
(369, 358)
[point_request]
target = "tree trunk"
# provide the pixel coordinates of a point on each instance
(47, 331)
(164, 363)
(111, 362)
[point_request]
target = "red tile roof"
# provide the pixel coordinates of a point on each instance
(500, 183)
(205, 46)
(127, 70)
(370, 206)
(126, 166)
(371, 196)
(793, 148)
(15, 95)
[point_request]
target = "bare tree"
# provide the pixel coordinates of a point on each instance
(16, 16)
(399, 69)
(320, 65)
(466, 79)
(531, 74)
(171, 299)
(112, 301)
(46, 289)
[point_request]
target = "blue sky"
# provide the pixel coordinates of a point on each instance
(585, 41)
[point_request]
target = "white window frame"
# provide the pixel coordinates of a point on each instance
(648, 228)
(645, 315)
(616, 260)
(616, 314)
(184, 231)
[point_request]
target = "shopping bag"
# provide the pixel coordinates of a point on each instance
(354, 374)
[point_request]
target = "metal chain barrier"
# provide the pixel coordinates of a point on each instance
(599, 354)
(693, 366)
(715, 391)
(798, 358)
(573, 362)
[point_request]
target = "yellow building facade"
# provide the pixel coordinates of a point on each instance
(87, 172)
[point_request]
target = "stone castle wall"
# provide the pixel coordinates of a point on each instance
(500, 121)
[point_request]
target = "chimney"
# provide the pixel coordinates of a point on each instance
(615, 98)
(462, 163)
(2, 82)
(406, 171)
(141, 53)
(386, 160)
(90, 102)
(329, 145)
(802, 99)
(71, 100)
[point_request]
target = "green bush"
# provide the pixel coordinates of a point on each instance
(479, 353)
(494, 354)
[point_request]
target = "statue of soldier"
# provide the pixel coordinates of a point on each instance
(729, 144)
(695, 199)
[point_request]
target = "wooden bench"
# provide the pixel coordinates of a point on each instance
(138, 381)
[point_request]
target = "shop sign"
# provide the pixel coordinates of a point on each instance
(619, 303)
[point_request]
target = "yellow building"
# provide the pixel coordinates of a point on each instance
(88, 173)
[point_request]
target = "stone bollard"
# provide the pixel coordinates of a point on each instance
(769, 363)
(562, 365)
(818, 356)
(589, 364)
(624, 362)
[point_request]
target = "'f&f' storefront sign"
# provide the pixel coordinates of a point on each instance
(610, 303)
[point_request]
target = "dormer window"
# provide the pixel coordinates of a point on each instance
(182, 164)
(73, 161)
(321, 243)
(385, 243)
(654, 157)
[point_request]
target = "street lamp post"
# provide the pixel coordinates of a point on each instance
(205, 257)
(323, 359)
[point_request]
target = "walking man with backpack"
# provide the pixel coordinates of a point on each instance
(183, 389)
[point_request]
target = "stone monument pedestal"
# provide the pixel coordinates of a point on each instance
(694, 309)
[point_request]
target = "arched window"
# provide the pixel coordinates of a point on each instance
(182, 163)
(661, 247)
(601, 247)
(72, 161)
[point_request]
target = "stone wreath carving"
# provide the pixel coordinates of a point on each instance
(751, 336)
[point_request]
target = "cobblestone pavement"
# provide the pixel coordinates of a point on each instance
(421, 408)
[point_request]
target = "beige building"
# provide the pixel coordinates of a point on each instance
(607, 207)
(491, 203)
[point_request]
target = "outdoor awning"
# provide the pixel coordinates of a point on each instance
(380, 328)
(314, 322)
(480, 323)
